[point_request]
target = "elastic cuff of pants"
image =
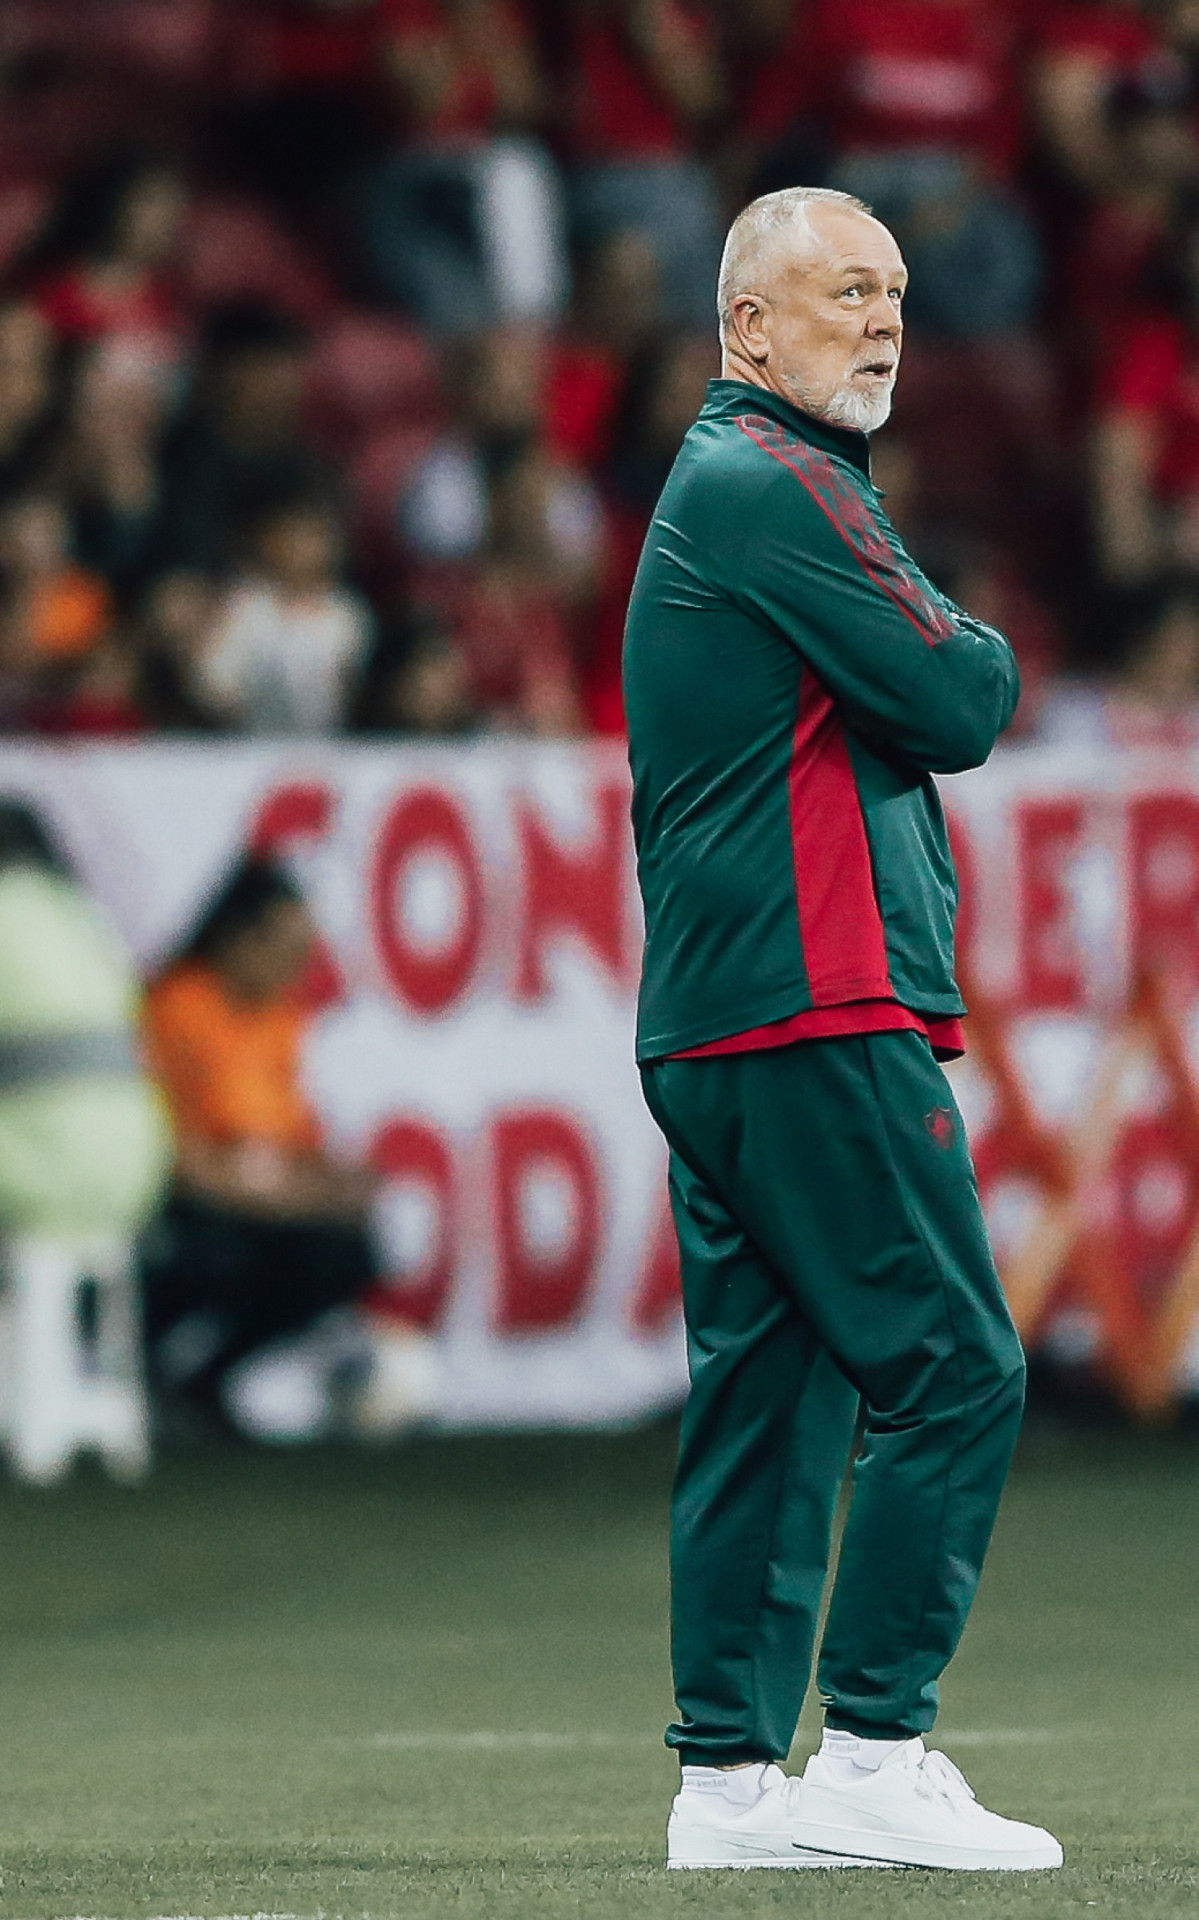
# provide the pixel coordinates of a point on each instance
(870, 1729)
(722, 1757)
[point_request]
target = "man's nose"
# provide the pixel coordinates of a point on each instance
(884, 320)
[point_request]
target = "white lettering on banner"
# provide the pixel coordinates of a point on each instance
(475, 992)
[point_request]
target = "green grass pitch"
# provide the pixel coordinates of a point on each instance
(432, 1683)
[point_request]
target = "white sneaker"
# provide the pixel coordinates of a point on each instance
(915, 1811)
(707, 1830)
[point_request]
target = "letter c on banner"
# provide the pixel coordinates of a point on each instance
(298, 810)
(547, 1191)
(428, 972)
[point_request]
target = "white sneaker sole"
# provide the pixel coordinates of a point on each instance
(909, 1850)
(785, 1864)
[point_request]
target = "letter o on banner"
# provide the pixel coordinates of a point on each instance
(544, 1166)
(425, 843)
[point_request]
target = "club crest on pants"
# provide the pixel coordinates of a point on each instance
(941, 1123)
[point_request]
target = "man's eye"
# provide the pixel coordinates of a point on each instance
(845, 291)
(897, 295)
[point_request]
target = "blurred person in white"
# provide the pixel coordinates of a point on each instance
(464, 222)
(84, 1138)
(292, 640)
(445, 513)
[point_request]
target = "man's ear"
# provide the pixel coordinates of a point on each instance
(750, 326)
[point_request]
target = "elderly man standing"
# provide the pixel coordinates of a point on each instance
(793, 683)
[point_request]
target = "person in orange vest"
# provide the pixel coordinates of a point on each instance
(264, 1230)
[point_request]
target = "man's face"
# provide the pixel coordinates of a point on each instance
(827, 327)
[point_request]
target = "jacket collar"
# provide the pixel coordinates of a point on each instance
(727, 398)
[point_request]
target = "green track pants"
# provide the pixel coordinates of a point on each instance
(833, 1250)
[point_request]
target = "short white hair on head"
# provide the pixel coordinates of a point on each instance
(759, 228)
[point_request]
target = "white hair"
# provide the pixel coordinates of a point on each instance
(758, 229)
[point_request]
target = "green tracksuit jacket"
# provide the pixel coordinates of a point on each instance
(792, 683)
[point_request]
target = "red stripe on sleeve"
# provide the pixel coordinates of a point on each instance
(840, 926)
(844, 508)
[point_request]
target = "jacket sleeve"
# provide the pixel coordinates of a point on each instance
(913, 676)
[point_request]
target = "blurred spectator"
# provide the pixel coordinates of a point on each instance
(905, 79)
(895, 473)
(174, 628)
(105, 465)
(52, 613)
(773, 134)
(1154, 700)
(291, 641)
(643, 85)
(101, 697)
(27, 391)
(501, 406)
(463, 222)
(497, 512)
(83, 1139)
(987, 584)
(101, 267)
(1085, 52)
(925, 113)
(971, 250)
(663, 393)
(264, 1230)
(299, 72)
(518, 535)
(1153, 155)
(1147, 440)
(616, 314)
(513, 617)
(241, 441)
(418, 682)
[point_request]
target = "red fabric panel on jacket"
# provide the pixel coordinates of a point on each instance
(945, 1037)
(840, 926)
(838, 498)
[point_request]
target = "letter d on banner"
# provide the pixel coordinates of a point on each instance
(547, 1218)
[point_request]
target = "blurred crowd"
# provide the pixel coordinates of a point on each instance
(345, 344)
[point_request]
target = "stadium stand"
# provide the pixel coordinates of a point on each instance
(480, 234)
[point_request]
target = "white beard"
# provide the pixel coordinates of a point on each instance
(862, 411)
